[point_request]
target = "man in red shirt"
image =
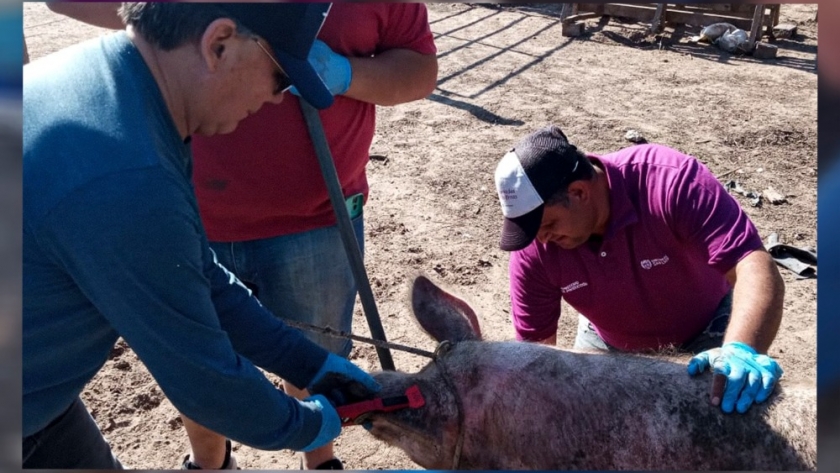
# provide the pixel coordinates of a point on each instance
(261, 194)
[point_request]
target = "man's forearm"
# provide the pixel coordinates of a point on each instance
(393, 77)
(757, 301)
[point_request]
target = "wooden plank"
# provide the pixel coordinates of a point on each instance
(705, 19)
(580, 16)
(693, 16)
(646, 14)
(566, 10)
(572, 29)
(785, 30)
(744, 8)
(590, 7)
(736, 9)
(740, 10)
(765, 51)
(637, 12)
(658, 19)
(755, 28)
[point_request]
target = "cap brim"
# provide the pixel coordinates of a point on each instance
(307, 82)
(519, 232)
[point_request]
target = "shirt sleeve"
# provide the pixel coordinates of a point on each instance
(139, 257)
(708, 219)
(407, 28)
(535, 301)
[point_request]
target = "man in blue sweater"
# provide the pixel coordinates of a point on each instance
(113, 244)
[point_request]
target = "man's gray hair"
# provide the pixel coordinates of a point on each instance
(168, 25)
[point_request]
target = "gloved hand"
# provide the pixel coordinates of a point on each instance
(750, 377)
(342, 382)
(333, 68)
(330, 423)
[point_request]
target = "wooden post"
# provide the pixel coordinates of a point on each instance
(758, 17)
(565, 11)
(658, 19)
(774, 18)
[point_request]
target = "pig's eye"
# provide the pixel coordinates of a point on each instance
(443, 348)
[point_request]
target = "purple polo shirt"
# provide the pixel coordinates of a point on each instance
(660, 271)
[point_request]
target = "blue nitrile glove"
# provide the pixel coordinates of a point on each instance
(342, 382)
(750, 377)
(330, 422)
(333, 68)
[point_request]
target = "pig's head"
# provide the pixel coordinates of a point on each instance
(428, 434)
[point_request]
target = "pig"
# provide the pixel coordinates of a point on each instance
(517, 405)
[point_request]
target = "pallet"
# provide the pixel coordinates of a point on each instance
(745, 16)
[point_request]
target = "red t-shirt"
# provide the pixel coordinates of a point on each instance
(263, 180)
(660, 271)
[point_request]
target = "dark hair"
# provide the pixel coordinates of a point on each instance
(585, 171)
(169, 25)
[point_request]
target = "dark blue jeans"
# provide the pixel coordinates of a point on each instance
(72, 440)
(711, 337)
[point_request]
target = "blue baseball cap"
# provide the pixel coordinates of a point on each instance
(290, 29)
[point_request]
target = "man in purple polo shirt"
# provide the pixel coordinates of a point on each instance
(652, 252)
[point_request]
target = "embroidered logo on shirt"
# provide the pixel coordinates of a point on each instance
(650, 263)
(573, 286)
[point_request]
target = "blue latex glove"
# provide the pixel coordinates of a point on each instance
(342, 382)
(750, 377)
(330, 422)
(334, 69)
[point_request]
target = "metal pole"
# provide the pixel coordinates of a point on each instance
(348, 237)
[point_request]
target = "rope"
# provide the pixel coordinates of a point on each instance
(340, 334)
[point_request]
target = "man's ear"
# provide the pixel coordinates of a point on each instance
(215, 41)
(579, 191)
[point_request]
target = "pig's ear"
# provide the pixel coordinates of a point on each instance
(442, 315)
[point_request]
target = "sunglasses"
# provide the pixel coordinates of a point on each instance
(281, 80)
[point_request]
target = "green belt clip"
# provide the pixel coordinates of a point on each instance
(354, 205)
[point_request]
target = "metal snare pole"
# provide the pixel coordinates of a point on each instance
(348, 237)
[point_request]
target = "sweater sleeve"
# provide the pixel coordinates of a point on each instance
(133, 243)
(266, 341)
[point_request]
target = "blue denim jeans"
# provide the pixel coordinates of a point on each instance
(72, 440)
(304, 277)
(711, 337)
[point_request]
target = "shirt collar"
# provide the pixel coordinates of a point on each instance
(622, 211)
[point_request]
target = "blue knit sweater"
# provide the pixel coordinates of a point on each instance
(113, 246)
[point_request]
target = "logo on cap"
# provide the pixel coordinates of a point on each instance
(517, 194)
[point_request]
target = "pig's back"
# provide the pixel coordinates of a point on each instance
(533, 406)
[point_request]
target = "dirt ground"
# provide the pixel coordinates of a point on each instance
(505, 71)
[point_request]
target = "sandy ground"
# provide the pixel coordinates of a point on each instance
(505, 71)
